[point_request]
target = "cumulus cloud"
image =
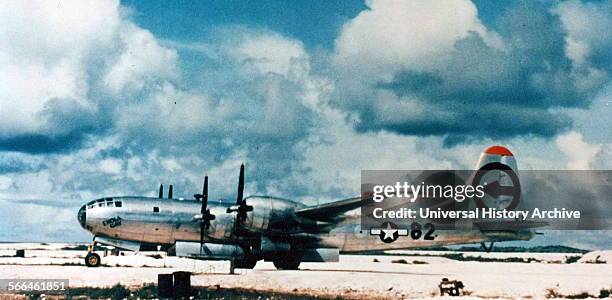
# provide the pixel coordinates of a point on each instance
(93, 104)
(603, 158)
(391, 35)
(579, 153)
(53, 57)
(587, 26)
(43, 222)
(582, 155)
(151, 128)
(257, 107)
(271, 53)
(142, 60)
(16, 163)
(470, 82)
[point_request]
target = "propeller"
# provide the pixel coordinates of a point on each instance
(170, 192)
(241, 208)
(206, 215)
(161, 191)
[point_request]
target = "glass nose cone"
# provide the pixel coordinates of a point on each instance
(81, 216)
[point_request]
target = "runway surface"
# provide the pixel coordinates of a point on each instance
(408, 275)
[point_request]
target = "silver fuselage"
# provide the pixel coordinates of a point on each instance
(166, 221)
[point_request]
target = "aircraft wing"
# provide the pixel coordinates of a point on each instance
(329, 212)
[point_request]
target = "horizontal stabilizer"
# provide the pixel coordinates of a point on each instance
(509, 225)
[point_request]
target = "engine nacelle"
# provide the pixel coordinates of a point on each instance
(321, 255)
(207, 251)
(269, 247)
(270, 214)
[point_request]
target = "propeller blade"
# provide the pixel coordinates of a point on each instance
(170, 192)
(205, 214)
(239, 199)
(241, 208)
(204, 195)
(161, 191)
(202, 233)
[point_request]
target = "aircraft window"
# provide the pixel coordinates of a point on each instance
(109, 199)
(101, 204)
(90, 206)
(118, 203)
(100, 200)
(155, 209)
(109, 204)
(91, 202)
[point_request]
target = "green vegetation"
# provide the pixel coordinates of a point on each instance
(572, 259)
(403, 261)
(554, 293)
(115, 292)
(461, 257)
(150, 292)
(535, 249)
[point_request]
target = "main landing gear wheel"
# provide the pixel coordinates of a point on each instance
(92, 259)
(248, 262)
(245, 264)
(289, 261)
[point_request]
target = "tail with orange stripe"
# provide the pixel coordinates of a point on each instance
(498, 166)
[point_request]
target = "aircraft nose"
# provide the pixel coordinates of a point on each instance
(82, 216)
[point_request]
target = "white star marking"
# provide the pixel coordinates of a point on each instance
(389, 232)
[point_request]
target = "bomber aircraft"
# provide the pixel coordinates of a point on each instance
(260, 227)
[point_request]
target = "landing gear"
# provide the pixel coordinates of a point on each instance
(248, 262)
(288, 261)
(487, 249)
(92, 259)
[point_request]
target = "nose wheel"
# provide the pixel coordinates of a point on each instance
(92, 259)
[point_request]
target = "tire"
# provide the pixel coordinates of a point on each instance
(92, 260)
(248, 262)
(289, 261)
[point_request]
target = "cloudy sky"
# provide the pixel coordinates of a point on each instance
(101, 98)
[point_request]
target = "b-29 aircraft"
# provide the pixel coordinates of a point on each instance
(259, 227)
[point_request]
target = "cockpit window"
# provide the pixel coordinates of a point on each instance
(91, 202)
(101, 204)
(118, 203)
(100, 200)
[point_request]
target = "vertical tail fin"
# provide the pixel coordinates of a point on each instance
(498, 154)
(492, 163)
